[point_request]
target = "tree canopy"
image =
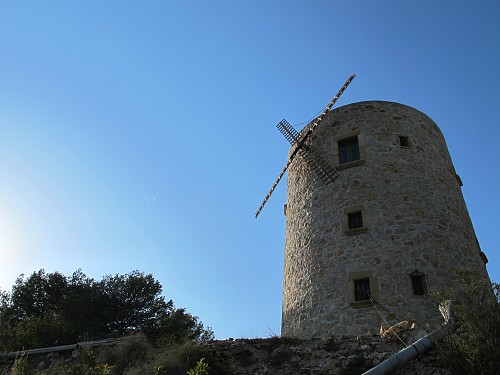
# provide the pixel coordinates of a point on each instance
(47, 309)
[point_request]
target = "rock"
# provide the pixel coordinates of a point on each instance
(238, 350)
(41, 365)
(381, 356)
(280, 355)
(330, 365)
(52, 355)
(329, 344)
(416, 335)
(320, 353)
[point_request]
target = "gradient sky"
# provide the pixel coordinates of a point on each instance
(141, 134)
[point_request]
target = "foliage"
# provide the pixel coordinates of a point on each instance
(20, 367)
(126, 353)
(475, 346)
(178, 358)
(201, 368)
(132, 302)
(85, 365)
(180, 325)
(133, 355)
(37, 331)
(47, 309)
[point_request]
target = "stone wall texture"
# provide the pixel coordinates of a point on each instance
(414, 219)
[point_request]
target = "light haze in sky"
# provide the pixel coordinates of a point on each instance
(141, 134)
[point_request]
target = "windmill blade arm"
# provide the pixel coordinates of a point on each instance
(330, 105)
(340, 92)
(319, 165)
(273, 187)
(288, 131)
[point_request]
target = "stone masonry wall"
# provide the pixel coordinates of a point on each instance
(414, 216)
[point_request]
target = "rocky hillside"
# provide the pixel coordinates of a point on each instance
(134, 355)
(334, 355)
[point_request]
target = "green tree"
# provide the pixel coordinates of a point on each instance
(133, 302)
(38, 294)
(52, 309)
(179, 325)
(83, 308)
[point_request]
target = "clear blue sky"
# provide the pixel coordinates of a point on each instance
(141, 134)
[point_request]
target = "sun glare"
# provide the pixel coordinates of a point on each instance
(11, 247)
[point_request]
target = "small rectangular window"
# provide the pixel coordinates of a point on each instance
(355, 220)
(349, 150)
(404, 141)
(362, 289)
(418, 283)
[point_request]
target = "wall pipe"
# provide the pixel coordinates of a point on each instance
(62, 348)
(407, 354)
(419, 347)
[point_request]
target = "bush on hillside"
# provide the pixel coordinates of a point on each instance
(474, 348)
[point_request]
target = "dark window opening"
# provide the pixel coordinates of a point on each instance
(362, 290)
(404, 141)
(418, 283)
(349, 150)
(355, 220)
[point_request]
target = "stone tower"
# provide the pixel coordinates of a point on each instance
(391, 227)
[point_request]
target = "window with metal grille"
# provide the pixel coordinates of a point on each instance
(349, 150)
(362, 290)
(418, 283)
(355, 220)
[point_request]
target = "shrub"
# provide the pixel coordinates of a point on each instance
(85, 365)
(21, 366)
(475, 346)
(201, 368)
(126, 353)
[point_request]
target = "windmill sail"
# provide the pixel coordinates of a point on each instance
(311, 156)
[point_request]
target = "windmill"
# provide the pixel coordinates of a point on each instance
(311, 156)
